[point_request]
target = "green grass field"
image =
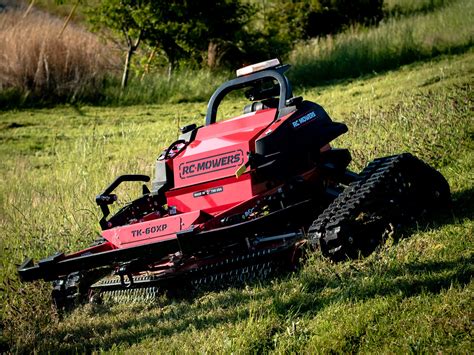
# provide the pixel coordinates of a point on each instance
(415, 294)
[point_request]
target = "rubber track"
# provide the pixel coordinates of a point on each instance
(348, 201)
(395, 187)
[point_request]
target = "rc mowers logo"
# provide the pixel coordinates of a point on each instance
(211, 164)
(305, 119)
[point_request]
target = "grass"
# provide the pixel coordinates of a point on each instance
(39, 66)
(409, 7)
(415, 294)
(185, 85)
(395, 42)
(418, 31)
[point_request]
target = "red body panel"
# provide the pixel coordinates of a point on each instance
(158, 229)
(213, 197)
(220, 149)
(204, 179)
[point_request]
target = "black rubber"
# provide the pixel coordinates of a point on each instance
(391, 191)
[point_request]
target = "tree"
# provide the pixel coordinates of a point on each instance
(289, 21)
(222, 32)
(334, 15)
(171, 28)
(181, 29)
(213, 31)
(187, 29)
(127, 18)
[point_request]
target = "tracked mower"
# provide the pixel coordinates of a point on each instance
(240, 198)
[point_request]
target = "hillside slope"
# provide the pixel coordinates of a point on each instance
(414, 294)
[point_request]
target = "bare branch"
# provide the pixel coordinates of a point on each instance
(127, 37)
(137, 41)
(29, 8)
(71, 13)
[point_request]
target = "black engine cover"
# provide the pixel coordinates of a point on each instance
(297, 142)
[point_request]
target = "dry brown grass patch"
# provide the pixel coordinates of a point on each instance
(38, 62)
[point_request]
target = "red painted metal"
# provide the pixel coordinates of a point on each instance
(204, 180)
(219, 149)
(159, 229)
(213, 197)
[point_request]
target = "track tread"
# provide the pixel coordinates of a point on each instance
(390, 189)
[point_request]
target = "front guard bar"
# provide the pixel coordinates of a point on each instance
(107, 198)
(59, 265)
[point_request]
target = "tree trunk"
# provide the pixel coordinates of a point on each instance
(148, 62)
(212, 54)
(132, 47)
(126, 67)
(216, 51)
(171, 63)
(170, 70)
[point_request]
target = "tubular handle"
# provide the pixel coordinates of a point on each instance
(106, 198)
(245, 81)
(122, 178)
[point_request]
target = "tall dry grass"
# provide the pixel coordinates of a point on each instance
(37, 64)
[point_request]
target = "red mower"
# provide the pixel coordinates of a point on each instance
(239, 199)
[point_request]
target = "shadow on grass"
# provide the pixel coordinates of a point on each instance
(405, 281)
(319, 73)
(463, 204)
(402, 279)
